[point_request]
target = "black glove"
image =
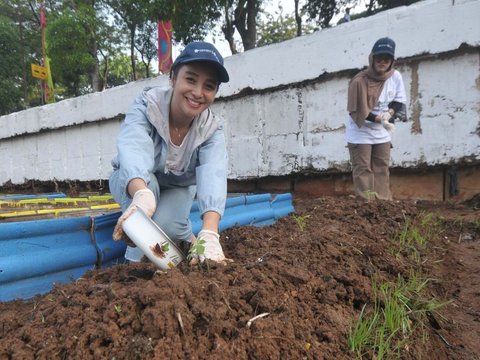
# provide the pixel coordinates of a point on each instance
(400, 111)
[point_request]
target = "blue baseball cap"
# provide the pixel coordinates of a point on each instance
(203, 51)
(384, 46)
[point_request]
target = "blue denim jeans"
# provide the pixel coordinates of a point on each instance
(173, 208)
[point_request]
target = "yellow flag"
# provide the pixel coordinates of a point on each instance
(50, 90)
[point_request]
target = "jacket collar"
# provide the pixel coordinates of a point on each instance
(158, 111)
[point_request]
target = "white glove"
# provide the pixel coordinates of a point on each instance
(384, 117)
(144, 199)
(213, 249)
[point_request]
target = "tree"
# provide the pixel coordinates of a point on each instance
(71, 58)
(298, 18)
(10, 68)
(145, 44)
(322, 11)
(130, 14)
(120, 70)
(86, 12)
(245, 19)
(24, 15)
(191, 19)
(278, 28)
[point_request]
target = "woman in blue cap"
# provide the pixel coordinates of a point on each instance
(170, 147)
(376, 96)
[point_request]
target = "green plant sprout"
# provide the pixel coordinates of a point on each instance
(118, 308)
(301, 221)
(196, 250)
(370, 195)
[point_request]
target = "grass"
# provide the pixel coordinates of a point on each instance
(415, 235)
(400, 309)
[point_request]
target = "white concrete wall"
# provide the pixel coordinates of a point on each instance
(296, 119)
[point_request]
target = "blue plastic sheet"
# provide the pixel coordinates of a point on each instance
(35, 255)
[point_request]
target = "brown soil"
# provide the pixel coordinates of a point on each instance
(312, 283)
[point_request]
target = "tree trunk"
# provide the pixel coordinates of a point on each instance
(94, 74)
(24, 65)
(228, 30)
(298, 19)
(370, 7)
(246, 22)
(132, 53)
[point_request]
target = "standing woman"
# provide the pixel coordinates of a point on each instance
(376, 96)
(170, 147)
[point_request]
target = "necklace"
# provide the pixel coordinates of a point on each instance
(178, 132)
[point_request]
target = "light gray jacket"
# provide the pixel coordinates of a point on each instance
(142, 150)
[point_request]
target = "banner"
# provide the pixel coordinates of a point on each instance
(43, 18)
(44, 72)
(165, 30)
(50, 92)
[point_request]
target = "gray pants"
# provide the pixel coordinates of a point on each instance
(370, 170)
(173, 206)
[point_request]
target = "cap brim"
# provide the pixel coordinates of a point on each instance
(383, 53)
(221, 71)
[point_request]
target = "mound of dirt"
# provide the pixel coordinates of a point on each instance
(292, 292)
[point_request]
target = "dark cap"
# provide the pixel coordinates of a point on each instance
(203, 51)
(384, 46)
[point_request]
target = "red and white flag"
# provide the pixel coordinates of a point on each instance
(165, 30)
(43, 18)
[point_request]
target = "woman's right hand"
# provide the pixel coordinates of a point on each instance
(144, 199)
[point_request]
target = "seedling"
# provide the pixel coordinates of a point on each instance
(301, 221)
(196, 250)
(370, 195)
(118, 308)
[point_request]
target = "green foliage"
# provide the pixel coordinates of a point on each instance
(146, 44)
(10, 69)
(117, 70)
(10, 96)
(193, 19)
(322, 11)
(71, 60)
(279, 28)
